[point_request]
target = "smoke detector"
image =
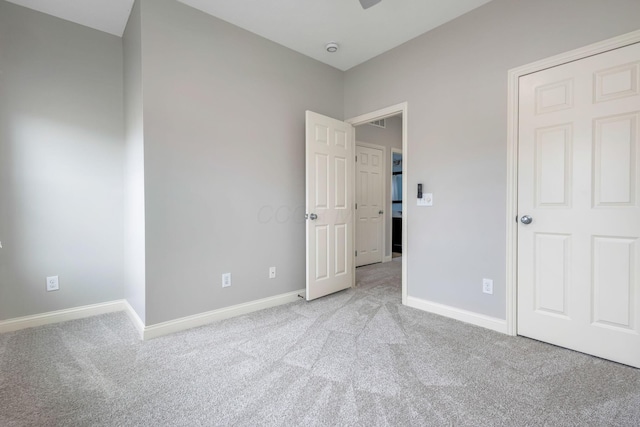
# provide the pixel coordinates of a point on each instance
(332, 47)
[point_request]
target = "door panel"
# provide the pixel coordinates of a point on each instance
(615, 171)
(329, 205)
(613, 281)
(579, 260)
(552, 260)
(553, 166)
(369, 202)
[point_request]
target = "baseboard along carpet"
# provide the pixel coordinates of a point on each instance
(356, 358)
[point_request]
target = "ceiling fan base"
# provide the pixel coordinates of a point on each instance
(366, 4)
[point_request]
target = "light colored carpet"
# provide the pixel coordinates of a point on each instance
(354, 358)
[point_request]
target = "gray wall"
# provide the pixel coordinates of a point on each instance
(224, 159)
(212, 169)
(454, 79)
(60, 163)
(134, 214)
(389, 137)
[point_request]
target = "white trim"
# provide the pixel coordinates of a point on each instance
(403, 109)
(147, 332)
(384, 194)
(201, 319)
(383, 113)
(387, 258)
(58, 316)
(353, 228)
(488, 322)
(134, 318)
(369, 145)
(512, 154)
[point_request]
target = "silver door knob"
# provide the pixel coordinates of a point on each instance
(380, 212)
(313, 217)
(526, 219)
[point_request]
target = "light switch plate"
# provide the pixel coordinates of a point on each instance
(427, 200)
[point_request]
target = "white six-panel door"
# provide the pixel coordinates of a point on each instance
(369, 205)
(329, 205)
(579, 181)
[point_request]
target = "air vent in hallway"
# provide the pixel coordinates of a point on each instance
(379, 123)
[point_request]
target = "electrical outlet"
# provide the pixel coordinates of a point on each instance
(272, 272)
(487, 286)
(226, 280)
(52, 283)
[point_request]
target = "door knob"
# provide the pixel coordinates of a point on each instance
(380, 212)
(313, 217)
(526, 219)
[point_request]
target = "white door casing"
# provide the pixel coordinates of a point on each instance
(329, 205)
(369, 204)
(402, 109)
(578, 271)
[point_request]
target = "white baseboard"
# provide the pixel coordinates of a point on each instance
(135, 319)
(387, 258)
(51, 317)
(493, 323)
(147, 332)
(201, 319)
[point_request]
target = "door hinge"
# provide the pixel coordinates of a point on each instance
(356, 159)
(357, 207)
(356, 253)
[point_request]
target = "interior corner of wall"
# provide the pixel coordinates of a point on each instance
(136, 319)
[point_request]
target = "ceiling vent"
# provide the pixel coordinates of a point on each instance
(378, 123)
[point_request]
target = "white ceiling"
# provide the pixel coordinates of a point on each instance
(305, 26)
(110, 16)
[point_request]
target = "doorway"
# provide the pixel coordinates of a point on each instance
(397, 112)
(396, 203)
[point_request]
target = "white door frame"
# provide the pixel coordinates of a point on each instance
(512, 155)
(383, 113)
(384, 193)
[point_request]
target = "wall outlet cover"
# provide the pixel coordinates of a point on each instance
(226, 280)
(52, 283)
(487, 286)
